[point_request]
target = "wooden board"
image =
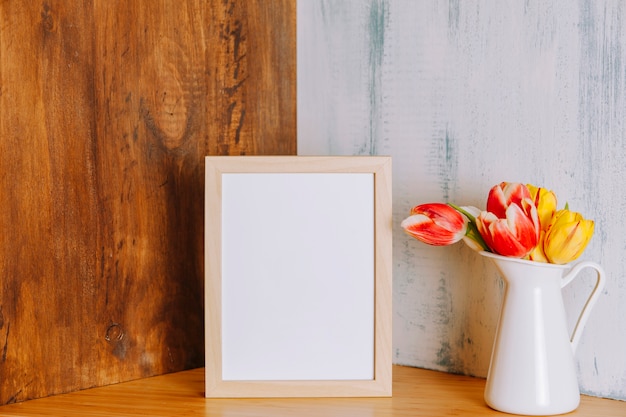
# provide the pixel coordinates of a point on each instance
(107, 110)
(417, 392)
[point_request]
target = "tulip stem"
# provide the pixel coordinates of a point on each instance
(472, 229)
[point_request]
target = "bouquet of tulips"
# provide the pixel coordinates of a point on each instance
(520, 221)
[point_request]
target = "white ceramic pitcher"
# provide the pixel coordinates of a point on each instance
(532, 364)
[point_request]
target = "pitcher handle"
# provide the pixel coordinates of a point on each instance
(593, 297)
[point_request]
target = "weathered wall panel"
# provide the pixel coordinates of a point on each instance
(107, 109)
(464, 95)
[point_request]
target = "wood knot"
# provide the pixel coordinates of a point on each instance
(170, 88)
(114, 333)
(47, 19)
(116, 337)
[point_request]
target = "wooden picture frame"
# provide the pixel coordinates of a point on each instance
(298, 283)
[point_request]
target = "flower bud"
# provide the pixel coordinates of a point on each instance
(435, 224)
(516, 234)
(567, 236)
(545, 201)
(501, 196)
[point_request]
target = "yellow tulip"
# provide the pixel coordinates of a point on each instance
(537, 254)
(567, 236)
(545, 201)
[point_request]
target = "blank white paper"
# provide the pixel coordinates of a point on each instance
(298, 276)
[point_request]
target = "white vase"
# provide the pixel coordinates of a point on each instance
(532, 363)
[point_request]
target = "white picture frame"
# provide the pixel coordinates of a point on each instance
(298, 276)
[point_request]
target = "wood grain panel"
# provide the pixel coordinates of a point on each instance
(107, 109)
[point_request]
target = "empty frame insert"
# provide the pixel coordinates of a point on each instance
(298, 276)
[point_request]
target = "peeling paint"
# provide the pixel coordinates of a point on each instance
(444, 357)
(376, 47)
(447, 163)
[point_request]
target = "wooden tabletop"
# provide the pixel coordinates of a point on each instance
(417, 392)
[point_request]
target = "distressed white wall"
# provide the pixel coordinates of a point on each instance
(463, 95)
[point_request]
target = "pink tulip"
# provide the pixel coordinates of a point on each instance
(501, 196)
(436, 224)
(516, 234)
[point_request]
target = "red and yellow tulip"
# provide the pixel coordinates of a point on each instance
(436, 224)
(501, 196)
(516, 234)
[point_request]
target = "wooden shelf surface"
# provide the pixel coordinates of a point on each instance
(417, 392)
